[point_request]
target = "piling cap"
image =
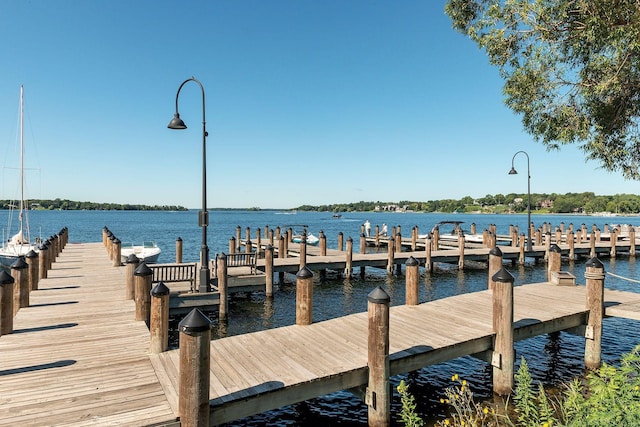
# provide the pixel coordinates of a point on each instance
(193, 322)
(411, 262)
(221, 255)
(159, 290)
(132, 259)
(19, 264)
(304, 273)
(32, 254)
(503, 276)
(555, 248)
(379, 296)
(495, 251)
(179, 239)
(595, 263)
(116, 241)
(142, 270)
(6, 278)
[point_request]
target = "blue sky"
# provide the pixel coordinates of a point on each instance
(307, 102)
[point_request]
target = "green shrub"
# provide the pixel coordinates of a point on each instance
(610, 396)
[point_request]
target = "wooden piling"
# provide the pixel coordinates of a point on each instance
(238, 239)
(117, 253)
(555, 260)
(503, 358)
(390, 255)
(412, 280)
(131, 264)
(495, 264)
(21, 284)
(594, 276)
(460, 251)
(195, 352)
(632, 241)
(398, 248)
(340, 241)
(363, 250)
(179, 250)
(572, 245)
(143, 276)
(435, 238)
(323, 244)
(222, 267)
(34, 265)
(537, 237)
(378, 396)
(592, 244)
(159, 320)
(427, 248)
(268, 270)
(348, 268)
(522, 244)
(304, 296)
(414, 238)
(6, 302)
(613, 238)
(42, 261)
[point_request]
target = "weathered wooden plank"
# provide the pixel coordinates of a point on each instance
(77, 356)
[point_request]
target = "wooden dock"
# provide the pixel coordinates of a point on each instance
(337, 260)
(256, 372)
(78, 357)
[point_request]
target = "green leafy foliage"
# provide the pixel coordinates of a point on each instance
(571, 70)
(609, 396)
(408, 415)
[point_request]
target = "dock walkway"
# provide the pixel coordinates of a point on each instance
(260, 371)
(77, 356)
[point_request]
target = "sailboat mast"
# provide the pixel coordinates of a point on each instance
(21, 153)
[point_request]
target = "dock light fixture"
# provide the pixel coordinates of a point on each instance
(513, 171)
(204, 275)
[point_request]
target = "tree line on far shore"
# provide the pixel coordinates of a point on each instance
(70, 205)
(579, 203)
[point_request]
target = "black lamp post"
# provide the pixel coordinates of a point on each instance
(203, 215)
(513, 171)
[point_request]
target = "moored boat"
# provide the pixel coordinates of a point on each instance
(147, 252)
(310, 239)
(18, 245)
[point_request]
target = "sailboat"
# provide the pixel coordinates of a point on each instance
(18, 245)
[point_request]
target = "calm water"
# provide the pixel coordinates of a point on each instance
(551, 359)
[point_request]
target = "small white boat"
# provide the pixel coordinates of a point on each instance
(311, 239)
(453, 235)
(147, 252)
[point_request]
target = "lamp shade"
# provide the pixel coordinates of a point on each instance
(176, 122)
(513, 171)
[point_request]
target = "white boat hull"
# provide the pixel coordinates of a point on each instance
(147, 252)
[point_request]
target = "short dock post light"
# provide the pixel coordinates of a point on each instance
(513, 171)
(203, 216)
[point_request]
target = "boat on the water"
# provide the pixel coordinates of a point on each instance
(453, 234)
(147, 252)
(310, 239)
(19, 244)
